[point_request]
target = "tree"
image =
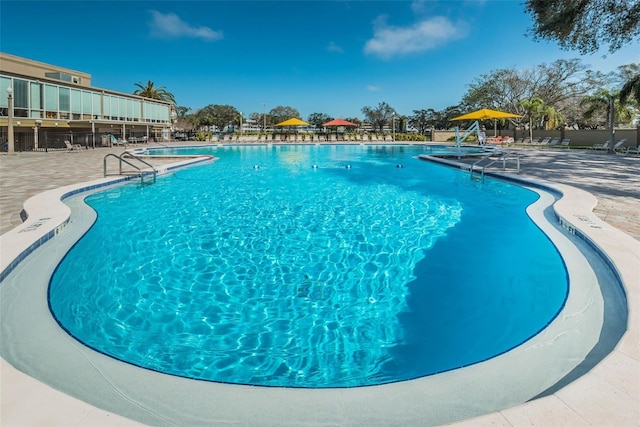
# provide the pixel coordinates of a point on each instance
(631, 89)
(356, 121)
(503, 89)
(598, 108)
(586, 24)
(182, 112)
(317, 119)
(551, 118)
(220, 116)
(533, 109)
(423, 120)
(378, 116)
(282, 113)
(153, 92)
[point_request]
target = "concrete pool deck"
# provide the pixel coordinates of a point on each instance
(607, 395)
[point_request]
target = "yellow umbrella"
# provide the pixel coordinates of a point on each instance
(485, 114)
(293, 122)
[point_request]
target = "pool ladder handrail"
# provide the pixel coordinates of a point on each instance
(140, 172)
(503, 156)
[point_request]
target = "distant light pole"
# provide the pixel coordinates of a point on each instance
(393, 125)
(264, 117)
(93, 134)
(36, 134)
(240, 123)
(10, 141)
(612, 124)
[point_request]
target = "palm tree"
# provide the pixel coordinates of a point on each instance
(552, 117)
(153, 92)
(600, 104)
(533, 108)
(631, 88)
(608, 102)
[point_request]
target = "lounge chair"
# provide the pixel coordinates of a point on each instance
(545, 141)
(565, 143)
(619, 145)
(554, 142)
(604, 146)
(72, 147)
(118, 141)
(631, 150)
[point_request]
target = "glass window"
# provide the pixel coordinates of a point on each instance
(20, 93)
(163, 112)
(96, 102)
(107, 107)
(36, 96)
(122, 108)
(5, 82)
(86, 102)
(65, 104)
(114, 107)
(76, 103)
(51, 97)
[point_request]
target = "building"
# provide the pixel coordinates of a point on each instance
(52, 104)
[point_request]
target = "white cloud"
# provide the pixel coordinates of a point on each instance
(332, 47)
(373, 88)
(171, 26)
(427, 34)
(417, 6)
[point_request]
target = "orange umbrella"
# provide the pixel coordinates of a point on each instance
(338, 122)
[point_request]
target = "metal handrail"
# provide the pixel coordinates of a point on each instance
(122, 159)
(503, 156)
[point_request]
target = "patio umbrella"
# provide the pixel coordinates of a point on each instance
(292, 122)
(486, 114)
(338, 122)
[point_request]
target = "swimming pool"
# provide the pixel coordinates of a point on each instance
(263, 269)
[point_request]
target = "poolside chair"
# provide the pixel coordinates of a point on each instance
(554, 142)
(535, 141)
(604, 146)
(72, 147)
(631, 150)
(545, 141)
(565, 143)
(619, 145)
(118, 141)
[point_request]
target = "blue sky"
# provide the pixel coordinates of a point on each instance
(331, 57)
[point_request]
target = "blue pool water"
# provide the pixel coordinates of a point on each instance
(262, 269)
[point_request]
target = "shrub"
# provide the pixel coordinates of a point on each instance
(203, 136)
